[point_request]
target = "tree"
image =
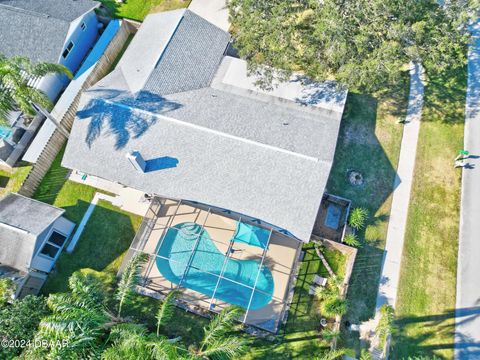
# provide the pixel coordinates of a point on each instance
(16, 93)
(331, 303)
(79, 319)
(363, 44)
(217, 343)
(132, 342)
(19, 321)
(166, 309)
(7, 290)
(130, 278)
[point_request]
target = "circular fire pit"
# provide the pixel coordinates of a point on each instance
(355, 178)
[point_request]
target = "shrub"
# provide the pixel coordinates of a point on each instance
(385, 325)
(352, 240)
(358, 217)
(333, 307)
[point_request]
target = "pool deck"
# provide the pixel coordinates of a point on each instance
(280, 258)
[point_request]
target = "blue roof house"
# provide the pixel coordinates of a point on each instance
(55, 31)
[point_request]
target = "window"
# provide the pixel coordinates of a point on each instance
(67, 50)
(50, 250)
(53, 245)
(83, 26)
(57, 239)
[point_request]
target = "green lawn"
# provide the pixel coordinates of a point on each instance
(369, 142)
(106, 237)
(11, 180)
(138, 9)
(425, 305)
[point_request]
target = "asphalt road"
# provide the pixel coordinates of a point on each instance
(467, 314)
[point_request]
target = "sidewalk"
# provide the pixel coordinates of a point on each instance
(387, 292)
(467, 313)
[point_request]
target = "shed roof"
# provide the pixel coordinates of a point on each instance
(21, 221)
(209, 136)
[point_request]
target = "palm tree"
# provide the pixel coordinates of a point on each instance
(217, 343)
(332, 304)
(79, 318)
(129, 280)
(166, 309)
(132, 342)
(15, 92)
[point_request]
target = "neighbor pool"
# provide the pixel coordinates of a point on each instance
(5, 132)
(177, 245)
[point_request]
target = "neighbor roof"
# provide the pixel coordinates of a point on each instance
(21, 221)
(265, 154)
(37, 29)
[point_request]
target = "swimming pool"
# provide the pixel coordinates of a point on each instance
(5, 132)
(177, 246)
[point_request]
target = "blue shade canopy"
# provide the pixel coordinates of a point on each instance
(252, 235)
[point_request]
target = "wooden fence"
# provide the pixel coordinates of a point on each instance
(57, 140)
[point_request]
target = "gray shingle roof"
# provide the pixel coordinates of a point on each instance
(66, 10)
(37, 28)
(21, 220)
(191, 58)
(263, 154)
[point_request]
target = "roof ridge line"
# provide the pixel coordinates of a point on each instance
(271, 147)
(14, 228)
(30, 12)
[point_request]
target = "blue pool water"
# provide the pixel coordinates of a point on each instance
(252, 235)
(5, 132)
(178, 244)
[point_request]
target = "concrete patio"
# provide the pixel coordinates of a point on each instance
(280, 257)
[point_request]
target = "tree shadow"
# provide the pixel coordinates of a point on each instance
(359, 148)
(444, 91)
(405, 344)
(122, 115)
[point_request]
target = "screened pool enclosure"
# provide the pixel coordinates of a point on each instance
(217, 259)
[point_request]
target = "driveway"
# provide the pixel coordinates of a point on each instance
(467, 314)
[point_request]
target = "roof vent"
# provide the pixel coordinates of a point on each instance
(136, 159)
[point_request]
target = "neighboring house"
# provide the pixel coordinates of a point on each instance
(32, 236)
(205, 132)
(54, 31)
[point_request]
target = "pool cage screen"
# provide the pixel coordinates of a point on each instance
(209, 276)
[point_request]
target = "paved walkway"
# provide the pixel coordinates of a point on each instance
(86, 216)
(467, 322)
(387, 292)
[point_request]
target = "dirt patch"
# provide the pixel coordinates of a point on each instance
(361, 135)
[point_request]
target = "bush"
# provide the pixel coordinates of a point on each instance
(358, 217)
(352, 240)
(333, 307)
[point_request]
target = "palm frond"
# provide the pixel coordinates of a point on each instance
(15, 74)
(129, 279)
(86, 290)
(225, 348)
(165, 312)
(221, 325)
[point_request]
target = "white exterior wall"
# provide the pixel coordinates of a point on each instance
(41, 262)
